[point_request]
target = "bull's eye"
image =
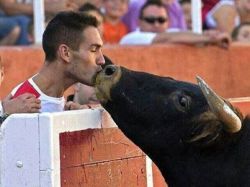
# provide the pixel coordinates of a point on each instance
(184, 102)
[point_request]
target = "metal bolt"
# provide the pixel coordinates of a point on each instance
(19, 164)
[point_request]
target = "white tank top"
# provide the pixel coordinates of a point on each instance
(211, 22)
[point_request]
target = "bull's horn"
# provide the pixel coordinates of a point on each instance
(220, 108)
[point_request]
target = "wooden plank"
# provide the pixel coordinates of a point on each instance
(127, 172)
(94, 146)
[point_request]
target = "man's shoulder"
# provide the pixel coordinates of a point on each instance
(25, 87)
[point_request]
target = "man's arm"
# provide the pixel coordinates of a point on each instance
(215, 38)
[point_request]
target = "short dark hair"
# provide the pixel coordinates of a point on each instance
(150, 3)
(67, 28)
(236, 30)
(89, 7)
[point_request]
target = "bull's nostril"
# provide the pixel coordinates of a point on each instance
(110, 70)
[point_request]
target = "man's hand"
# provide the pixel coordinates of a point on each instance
(26, 103)
(76, 106)
(221, 39)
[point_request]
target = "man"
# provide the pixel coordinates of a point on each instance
(175, 14)
(25, 103)
(73, 53)
(153, 24)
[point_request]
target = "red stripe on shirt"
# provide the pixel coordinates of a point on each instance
(26, 87)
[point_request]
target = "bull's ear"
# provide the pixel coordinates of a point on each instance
(220, 108)
(206, 130)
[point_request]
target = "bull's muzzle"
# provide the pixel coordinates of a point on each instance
(105, 80)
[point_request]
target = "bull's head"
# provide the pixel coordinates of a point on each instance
(160, 113)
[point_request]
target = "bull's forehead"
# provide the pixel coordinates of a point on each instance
(142, 81)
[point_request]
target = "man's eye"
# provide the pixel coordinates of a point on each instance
(93, 50)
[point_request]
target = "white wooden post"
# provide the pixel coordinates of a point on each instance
(39, 19)
(149, 170)
(30, 146)
(30, 149)
(196, 16)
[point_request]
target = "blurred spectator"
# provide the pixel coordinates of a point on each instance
(114, 28)
(186, 9)
(16, 7)
(173, 7)
(241, 33)
(94, 11)
(153, 17)
(176, 17)
(207, 5)
(96, 3)
(227, 14)
(154, 23)
(9, 31)
(14, 29)
(19, 14)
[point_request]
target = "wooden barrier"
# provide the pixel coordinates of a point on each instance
(227, 71)
(29, 146)
(72, 148)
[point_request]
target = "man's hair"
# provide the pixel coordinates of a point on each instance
(150, 3)
(66, 28)
(236, 30)
(86, 7)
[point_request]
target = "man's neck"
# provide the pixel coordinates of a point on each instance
(50, 80)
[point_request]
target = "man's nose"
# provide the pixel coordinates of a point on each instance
(157, 24)
(101, 60)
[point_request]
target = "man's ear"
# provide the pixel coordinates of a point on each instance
(64, 52)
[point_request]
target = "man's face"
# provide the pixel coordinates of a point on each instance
(115, 8)
(87, 61)
(154, 19)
